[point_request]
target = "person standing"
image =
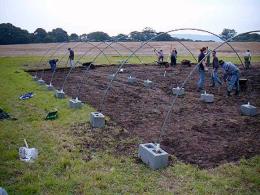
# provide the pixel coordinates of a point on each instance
(160, 55)
(202, 68)
(53, 64)
(231, 74)
(71, 57)
(173, 57)
(214, 76)
(247, 58)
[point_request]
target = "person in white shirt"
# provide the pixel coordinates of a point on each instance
(247, 58)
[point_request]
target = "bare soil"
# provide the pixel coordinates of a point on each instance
(198, 133)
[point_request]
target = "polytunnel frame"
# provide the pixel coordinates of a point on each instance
(147, 42)
(109, 45)
(45, 54)
(162, 129)
(83, 55)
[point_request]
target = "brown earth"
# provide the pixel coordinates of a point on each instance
(204, 134)
(81, 48)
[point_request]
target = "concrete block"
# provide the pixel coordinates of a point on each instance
(75, 103)
(50, 87)
(35, 78)
(154, 157)
(248, 110)
(111, 76)
(97, 119)
(208, 98)
(177, 90)
(59, 94)
(131, 80)
(148, 83)
(41, 82)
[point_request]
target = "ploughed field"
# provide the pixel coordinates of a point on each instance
(204, 134)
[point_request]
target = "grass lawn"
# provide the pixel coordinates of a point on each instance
(61, 167)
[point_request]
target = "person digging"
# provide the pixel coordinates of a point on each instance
(231, 75)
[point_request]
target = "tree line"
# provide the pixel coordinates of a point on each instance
(10, 34)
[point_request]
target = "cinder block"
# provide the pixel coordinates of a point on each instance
(178, 90)
(35, 78)
(111, 76)
(148, 83)
(155, 159)
(59, 94)
(41, 82)
(208, 98)
(248, 110)
(75, 103)
(50, 87)
(131, 80)
(97, 119)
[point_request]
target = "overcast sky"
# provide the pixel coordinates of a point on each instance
(124, 16)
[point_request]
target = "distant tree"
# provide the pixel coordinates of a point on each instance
(248, 37)
(227, 33)
(83, 37)
(121, 37)
(98, 36)
(73, 37)
(39, 35)
(148, 33)
(137, 36)
(164, 37)
(59, 35)
(9, 34)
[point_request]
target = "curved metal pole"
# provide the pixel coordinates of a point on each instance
(137, 49)
(124, 46)
(185, 81)
(206, 31)
(44, 55)
(63, 84)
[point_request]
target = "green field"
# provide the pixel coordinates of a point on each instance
(61, 167)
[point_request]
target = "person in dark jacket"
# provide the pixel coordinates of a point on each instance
(53, 64)
(214, 76)
(231, 74)
(173, 57)
(202, 69)
(71, 57)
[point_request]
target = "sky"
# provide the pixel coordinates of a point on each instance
(125, 16)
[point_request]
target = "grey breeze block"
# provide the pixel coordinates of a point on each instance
(177, 90)
(59, 94)
(50, 87)
(131, 80)
(208, 98)
(97, 119)
(248, 110)
(75, 103)
(148, 83)
(41, 82)
(155, 160)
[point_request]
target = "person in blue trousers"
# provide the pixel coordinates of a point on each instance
(202, 69)
(214, 76)
(53, 64)
(231, 74)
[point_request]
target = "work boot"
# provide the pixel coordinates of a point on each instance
(228, 93)
(237, 92)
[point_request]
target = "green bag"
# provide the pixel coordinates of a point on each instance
(52, 115)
